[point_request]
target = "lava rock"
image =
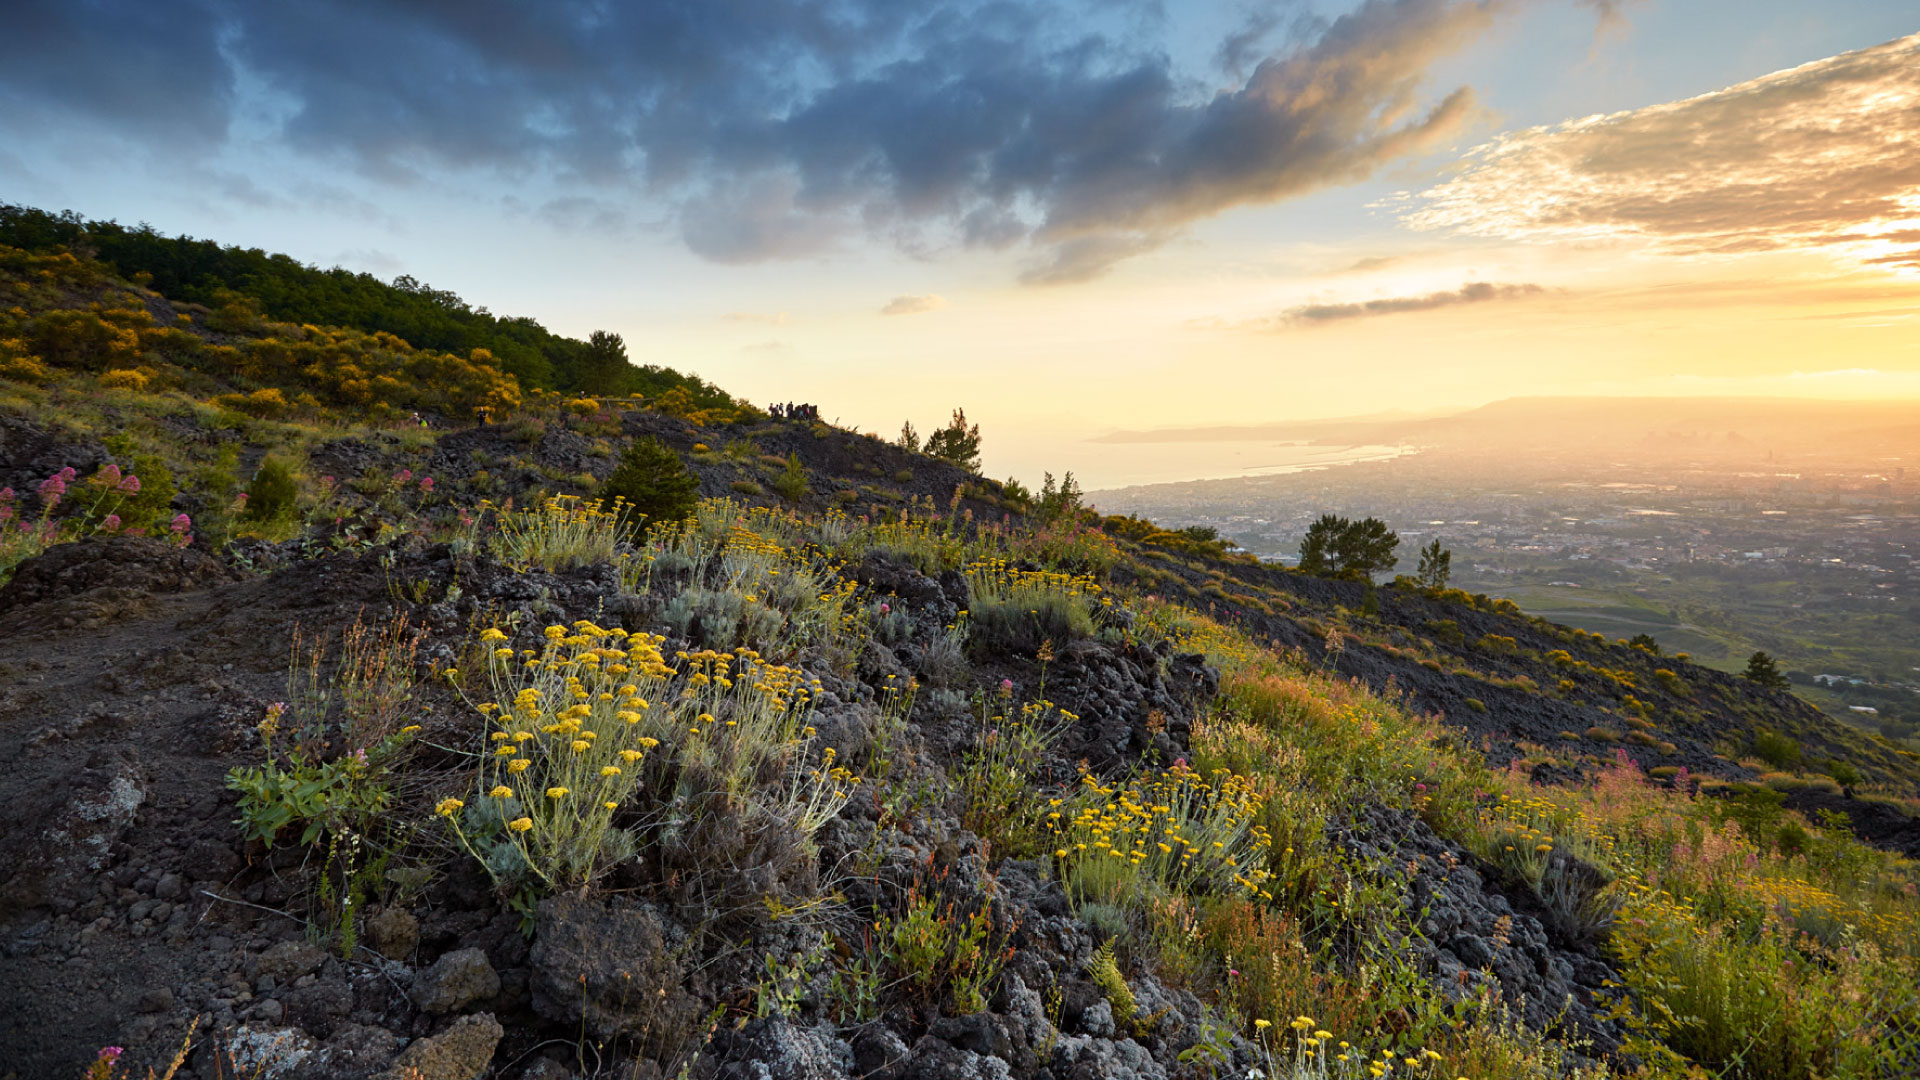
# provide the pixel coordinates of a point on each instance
(610, 964)
(456, 980)
(461, 1052)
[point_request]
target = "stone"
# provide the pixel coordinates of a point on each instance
(354, 1051)
(456, 980)
(610, 965)
(774, 1048)
(291, 959)
(461, 1052)
(394, 933)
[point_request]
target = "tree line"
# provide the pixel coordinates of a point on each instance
(286, 290)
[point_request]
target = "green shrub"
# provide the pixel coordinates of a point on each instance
(791, 484)
(1776, 750)
(653, 480)
(1017, 611)
(272, 494)
(747, 487)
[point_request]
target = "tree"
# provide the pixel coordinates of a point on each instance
(1365, 549)
(654, 481)
(1436, 565)
(1762, 669)
(604, 367)
(957, 443)
(1645, 643)
(909, 439)
(1316, 548)
(1058, 501)
(1355, 550)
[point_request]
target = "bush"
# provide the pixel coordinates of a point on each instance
(124, 379)
(272, 494)
(719, 743)
(1776, 750)
(747, 488)
(792, 481)
(561, 532)
(1018, 611)
(653, 480)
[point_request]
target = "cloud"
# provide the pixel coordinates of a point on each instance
(914, 305)
(1475, 292)
(777, 128)
(1818, 157)
(762, 318)
(370, 260)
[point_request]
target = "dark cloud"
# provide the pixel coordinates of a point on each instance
(1475, 292)
(1818, 157)
(152, 68)
(775, 128)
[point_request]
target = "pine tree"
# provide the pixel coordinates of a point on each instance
(1762, 669)
(957, 443)
(654, 481)
(1436, 565)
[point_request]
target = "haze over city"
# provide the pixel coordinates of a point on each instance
(1067, 218)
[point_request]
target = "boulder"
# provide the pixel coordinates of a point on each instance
(613, 966)
(461, 1052)
(456, 980)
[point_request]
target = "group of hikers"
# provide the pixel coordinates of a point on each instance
(790, 411)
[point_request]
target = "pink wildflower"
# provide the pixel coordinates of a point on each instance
(67, 474)
(111, 1054)
(181, 523)
(1006, 686)
(109, 474)
(111, 523)
(52, 488)
(6, 495)
(404, 476)
(130, 485)
(885, 608)
(426, 485)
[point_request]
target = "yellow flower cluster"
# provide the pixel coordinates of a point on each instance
(1177, 829)
(577, 722)
(997, 577)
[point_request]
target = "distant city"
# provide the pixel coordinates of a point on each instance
(1713, 547)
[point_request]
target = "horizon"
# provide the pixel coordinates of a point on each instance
(1130, 219)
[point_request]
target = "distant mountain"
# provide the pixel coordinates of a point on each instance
(1616, 423)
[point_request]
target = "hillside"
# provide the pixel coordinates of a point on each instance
(416, 762)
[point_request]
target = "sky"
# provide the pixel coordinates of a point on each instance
(1067, 218)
